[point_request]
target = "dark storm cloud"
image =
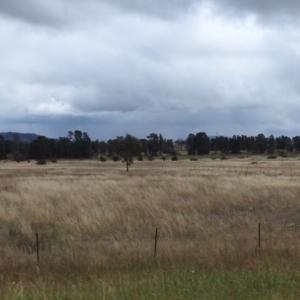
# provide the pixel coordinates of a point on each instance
(59, 12)
(171, 8)
(163, 8)
(33, 11)
(62, 12)
(264, 7)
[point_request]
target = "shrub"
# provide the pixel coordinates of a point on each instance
(17, 156)
(163, 157)
(115, 157)
(194, 159)
(150, 158)
(223, 157)
(213, 158)
(272, 157)
(41, 162)
(174, 158)
(140, 157)
(282, 154)
(103, 158)
(53, 160)
(130, 159)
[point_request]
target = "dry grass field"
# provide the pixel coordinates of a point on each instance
(95, 217)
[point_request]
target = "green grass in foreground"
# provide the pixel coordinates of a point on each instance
(168, 282)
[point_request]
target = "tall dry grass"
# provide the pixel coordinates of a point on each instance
(93, 215)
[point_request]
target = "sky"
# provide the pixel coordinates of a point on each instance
(111, 67)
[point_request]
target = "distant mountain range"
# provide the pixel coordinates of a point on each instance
(23, 137)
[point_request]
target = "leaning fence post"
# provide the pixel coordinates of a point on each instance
(259, 235)
(155, 242)
(37, 249)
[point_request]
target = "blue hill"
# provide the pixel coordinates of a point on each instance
(23, 137)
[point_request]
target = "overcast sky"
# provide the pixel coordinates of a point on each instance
(174, 67)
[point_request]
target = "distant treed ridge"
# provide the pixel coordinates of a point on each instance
(78, 145)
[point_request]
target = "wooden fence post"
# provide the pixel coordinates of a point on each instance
(155, 242)
(259, 235)
(37, 249)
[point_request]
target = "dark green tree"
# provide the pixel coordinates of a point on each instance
(64, 148)
(271, 144)
(261, 143)
(284, 143)
(153, 144)
(110, 147)
(250, 144)
(144, 145)
(103, 147)
(296, 143)
(130, 146)
(95, 148)
(81, 144)
(86, 151)
(161, 144)
(201, 143)
(77, 144)
(8, 146)
(2, 148)
(39, 148)
(235, 145)
(220, 143)
(168, 146)
(180, 143)
(190, 144)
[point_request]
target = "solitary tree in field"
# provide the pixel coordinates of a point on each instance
(131, 146)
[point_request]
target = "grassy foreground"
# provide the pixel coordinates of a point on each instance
(96, 225)
(277, 280)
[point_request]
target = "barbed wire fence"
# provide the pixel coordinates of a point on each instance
(39, 249)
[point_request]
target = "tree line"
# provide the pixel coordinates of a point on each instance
(78, 145)
(200, 143)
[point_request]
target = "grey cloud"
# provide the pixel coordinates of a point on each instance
(57, 13)
(32, 11)
(266, 6)
(163, 8)
(166, 8)
(266, 10)
(137, 74)
(62, 12)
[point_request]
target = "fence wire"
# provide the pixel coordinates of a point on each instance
(38, 247)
